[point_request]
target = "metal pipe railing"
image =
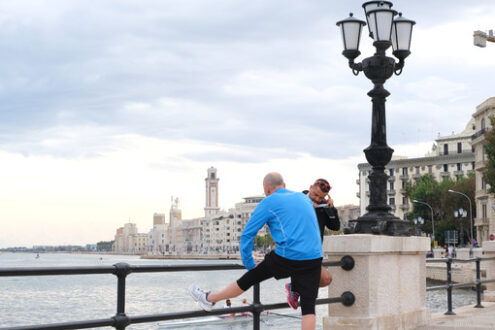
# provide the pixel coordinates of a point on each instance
(450, 285)
(120, 321)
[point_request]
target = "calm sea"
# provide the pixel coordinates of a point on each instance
(53, 299)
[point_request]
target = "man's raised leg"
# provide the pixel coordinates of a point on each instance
(230, 291)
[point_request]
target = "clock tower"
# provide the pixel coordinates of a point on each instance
(211, 206)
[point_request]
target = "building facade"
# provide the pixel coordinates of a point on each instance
(128, 240)
(485, 202)
(451, 157)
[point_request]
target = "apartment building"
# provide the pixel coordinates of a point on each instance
(485, 202)
(451, 156)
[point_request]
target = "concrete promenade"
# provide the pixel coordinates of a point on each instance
(466, 317)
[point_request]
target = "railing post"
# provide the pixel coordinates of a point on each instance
(122, 269)
(449, 289)
(257, 305)
(478, 283)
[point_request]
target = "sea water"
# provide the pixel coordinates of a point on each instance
(28, 300)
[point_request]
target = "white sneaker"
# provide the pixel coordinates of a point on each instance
(200, 296)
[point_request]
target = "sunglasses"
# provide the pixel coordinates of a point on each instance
(324, 186)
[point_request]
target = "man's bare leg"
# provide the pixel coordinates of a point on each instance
(308, 322)
(325, 277)
(230, 291)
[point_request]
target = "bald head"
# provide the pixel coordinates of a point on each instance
(272, 182)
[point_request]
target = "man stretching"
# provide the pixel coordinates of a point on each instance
(327, 216)
(291, 218)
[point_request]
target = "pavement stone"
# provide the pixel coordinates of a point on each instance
(466, 318)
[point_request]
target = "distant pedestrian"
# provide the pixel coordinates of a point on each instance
(450, 253)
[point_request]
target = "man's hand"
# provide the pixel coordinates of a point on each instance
(330, 201)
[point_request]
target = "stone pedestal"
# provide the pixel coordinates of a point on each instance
(438, 252)
(489, 248)
(388, 281)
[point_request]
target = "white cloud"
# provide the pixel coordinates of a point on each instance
(137, 99)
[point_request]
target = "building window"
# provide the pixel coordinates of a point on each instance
(445, 149)
(404, 171)
(483, 183)
(472, 165)
(391, 201)
(445, 167)
(482, 123)
(391, 185)
(459, 147)
(391, 171)
(484, 212)
(430, 169)
(405, 200)
(459, 166)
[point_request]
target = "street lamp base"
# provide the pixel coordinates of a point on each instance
(378, 223)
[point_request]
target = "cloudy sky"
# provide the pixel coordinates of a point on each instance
(108, 108)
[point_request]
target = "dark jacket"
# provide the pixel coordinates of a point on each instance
(327, 217)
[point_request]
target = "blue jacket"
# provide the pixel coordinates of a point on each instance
(292, 221)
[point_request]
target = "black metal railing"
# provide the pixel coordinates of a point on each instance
(120, 320)
(450, 285)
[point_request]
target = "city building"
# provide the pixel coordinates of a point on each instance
(128, 240)
(158, 235)
(485, 203)
(451, 156)
(346, 213)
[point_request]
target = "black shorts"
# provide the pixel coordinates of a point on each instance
(304, 274)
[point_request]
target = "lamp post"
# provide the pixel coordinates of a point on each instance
(432, 221)
(386, 32)
(470, 210)
(419, 221)
(461, 215)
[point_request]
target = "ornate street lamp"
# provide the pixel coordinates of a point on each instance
(470, 210)
(432, 221)
(419, 221)
(461, 216)
(386, 32)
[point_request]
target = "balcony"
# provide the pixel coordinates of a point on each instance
(367, 194)
(478, 134)
(481, 193)
(444, 174)
(416, 176)
(471, 172)
(480, 165)
(391, 178)
(456, 173)
(403, 191)
(392, 208)
(404, 177)
(404, 207)
(358, 195)
(358, 181)
(481, 222)
(391, 192)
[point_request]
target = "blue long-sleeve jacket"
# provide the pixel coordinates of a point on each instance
(293, 225)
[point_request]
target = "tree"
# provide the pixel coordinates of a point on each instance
(489, 145)
(104, 246)
(443, 203)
